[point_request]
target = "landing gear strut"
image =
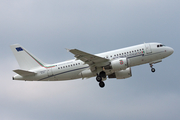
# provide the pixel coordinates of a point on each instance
(99, 79)
(152, 69)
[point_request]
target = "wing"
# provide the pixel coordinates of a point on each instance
(89, 58)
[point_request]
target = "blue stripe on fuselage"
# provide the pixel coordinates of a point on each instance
(63, 73)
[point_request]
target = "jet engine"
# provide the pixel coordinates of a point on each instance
(121, 74)
(119, 64)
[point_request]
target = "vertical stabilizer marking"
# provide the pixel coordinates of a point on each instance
(39, 62)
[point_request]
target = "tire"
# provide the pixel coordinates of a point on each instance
(153, 70)
(99, 78)
(101, 84)
(102, 74)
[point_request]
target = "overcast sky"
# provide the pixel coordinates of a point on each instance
(46, 28)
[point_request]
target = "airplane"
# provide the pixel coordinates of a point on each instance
(112, 64)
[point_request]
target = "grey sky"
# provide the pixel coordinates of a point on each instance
(46, 28)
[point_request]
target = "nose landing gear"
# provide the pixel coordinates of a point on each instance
(152, 69)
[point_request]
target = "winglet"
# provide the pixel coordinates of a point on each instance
(67, 49)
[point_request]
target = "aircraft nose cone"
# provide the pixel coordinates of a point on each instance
(171, 50)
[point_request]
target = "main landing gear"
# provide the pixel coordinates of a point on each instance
(99, 79)
(152, 69)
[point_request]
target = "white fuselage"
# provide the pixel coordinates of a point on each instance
(72, 69)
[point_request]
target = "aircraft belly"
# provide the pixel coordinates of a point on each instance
(135, 61)
(143, 59)
(68, 75)
(138, 60)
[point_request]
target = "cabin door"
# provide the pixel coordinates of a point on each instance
(148, 48)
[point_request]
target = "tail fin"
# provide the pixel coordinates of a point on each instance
(26, 60)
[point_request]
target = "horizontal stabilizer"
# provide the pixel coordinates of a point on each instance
(24, 72)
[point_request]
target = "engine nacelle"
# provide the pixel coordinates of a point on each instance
(119, 64)
(121, 74)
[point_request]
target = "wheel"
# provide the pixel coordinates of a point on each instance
(101, 84)
(99, 78)
(153, 70)
(102, 74)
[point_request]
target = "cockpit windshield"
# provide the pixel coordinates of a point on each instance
(160, 45)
